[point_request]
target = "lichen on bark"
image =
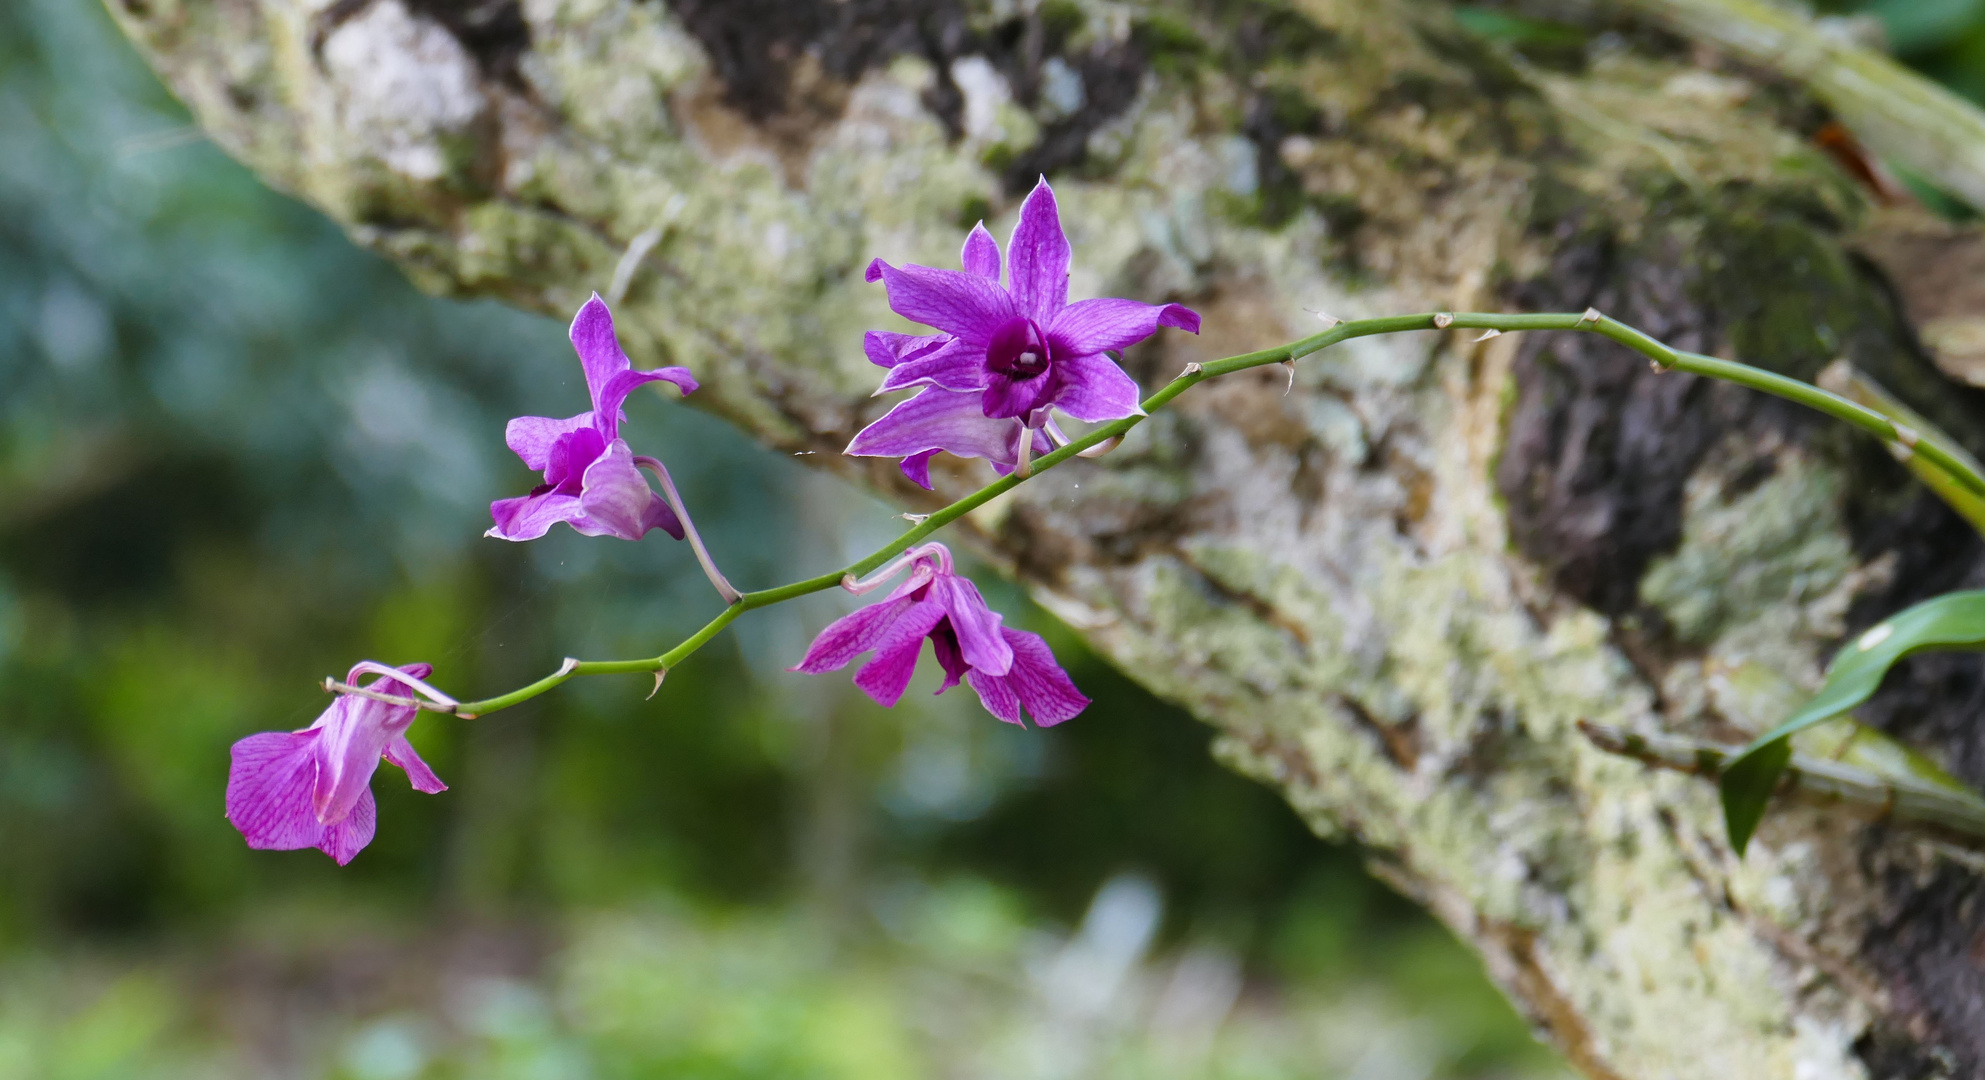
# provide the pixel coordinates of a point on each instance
(1395, 589)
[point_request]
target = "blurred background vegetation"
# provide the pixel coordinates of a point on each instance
(236, 453)
(1944, 39)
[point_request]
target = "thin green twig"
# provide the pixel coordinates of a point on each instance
(1899, 798)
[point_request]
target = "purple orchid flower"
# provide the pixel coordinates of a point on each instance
(313, 788)
(1006, 357)
(1007, 668)
(593, 481)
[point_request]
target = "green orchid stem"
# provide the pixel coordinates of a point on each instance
(1900, 798)
(1664, 358)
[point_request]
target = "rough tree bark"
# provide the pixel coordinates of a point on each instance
(1393, 590)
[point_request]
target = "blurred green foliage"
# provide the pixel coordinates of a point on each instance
(1945, 39)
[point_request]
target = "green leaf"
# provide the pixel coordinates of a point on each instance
(1951, 621)
(1747, 784)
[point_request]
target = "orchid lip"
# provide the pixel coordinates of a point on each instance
(1018, 350)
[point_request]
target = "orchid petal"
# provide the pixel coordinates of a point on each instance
(607, 403)
(413, 674)
(401, 752)
(1037, 257)
(1093, 389)
(349, 836)
(1039, 681)
(532, 437)
(888, 675)
(352, 738)
(661, 516)
(269, 782)
(976, 625)
(944, 643)
(996, 695)
(917, 468)
(1006, 398)
(1036, 681)
(921, 574)
(1093, 326)
(850, 636)
(614, 496)
(312, 788)
(886, 348)
(528, 517)
(598, 348)
(956, 365)
(981, 254)
(570, 454)
(961, 304)
(938, 419)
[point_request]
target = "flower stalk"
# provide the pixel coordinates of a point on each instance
(703, 558)
(1898, 798)
(1590, 321)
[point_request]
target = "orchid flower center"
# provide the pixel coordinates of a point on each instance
(569, 457)
(1018, 350)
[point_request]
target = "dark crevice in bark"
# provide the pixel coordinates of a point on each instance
(493, 31)
(1110, 78)
(1935, 699)
(1599, 447)
(1399, 742)
(1892, 1053)
(1259, 34)
(756, 46)
(1599, 450)
(1930, 942)
(1273, 114)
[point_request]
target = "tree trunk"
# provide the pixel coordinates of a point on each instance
(1394, 589)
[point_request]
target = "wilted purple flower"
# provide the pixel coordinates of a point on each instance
(1006, 356)
(1007, 668)
(313, 788)
(592, 480)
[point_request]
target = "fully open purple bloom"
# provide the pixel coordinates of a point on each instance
(1006, 356)
(591, 479)
(1007, 668)
(313, 788)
